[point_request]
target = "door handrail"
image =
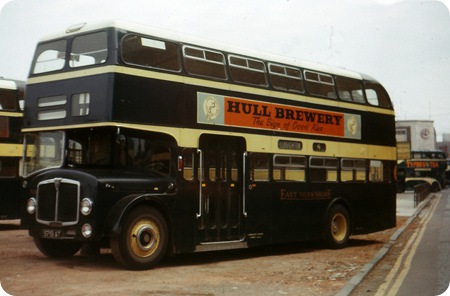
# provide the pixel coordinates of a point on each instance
(244, 211)
(200, 177)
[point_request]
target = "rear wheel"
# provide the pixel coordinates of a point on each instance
(57, 248)
(337, 230)
(143, 240)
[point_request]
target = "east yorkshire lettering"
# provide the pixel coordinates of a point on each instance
(297, 195)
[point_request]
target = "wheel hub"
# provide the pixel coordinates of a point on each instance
(339, 227)
(144, 238)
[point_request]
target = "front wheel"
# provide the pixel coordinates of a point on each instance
(57, 248)
(337, 228)
(143, 240)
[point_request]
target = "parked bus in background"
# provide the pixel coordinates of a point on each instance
(153, 143)
(11, 104)
(447, 173)
(423, 166)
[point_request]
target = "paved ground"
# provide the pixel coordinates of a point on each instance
(289, 269)
(418, 261)
(405, 204)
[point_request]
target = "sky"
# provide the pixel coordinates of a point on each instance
(404, 44)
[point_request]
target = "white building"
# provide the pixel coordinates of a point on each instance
(419, 134)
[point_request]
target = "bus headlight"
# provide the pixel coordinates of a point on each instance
(86, 230)
(86, 206)
(31, 205)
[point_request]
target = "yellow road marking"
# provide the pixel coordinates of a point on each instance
(401, 267)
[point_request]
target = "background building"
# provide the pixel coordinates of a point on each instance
(445, 144)
(414, 135)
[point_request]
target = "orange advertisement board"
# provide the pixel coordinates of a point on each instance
(229, 111)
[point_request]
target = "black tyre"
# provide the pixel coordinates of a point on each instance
(143, 240)
(337, 231)
(57, 248)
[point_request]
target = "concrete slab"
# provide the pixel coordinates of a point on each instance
(405, 204)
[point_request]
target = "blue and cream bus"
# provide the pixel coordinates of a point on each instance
(152, 143)
(11, 103)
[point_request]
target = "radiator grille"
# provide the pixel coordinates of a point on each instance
(58, 201)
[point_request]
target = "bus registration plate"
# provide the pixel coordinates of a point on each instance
(51, 233)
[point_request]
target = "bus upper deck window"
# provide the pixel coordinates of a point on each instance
(89, 49)
(49, 57)
(151, 53)
(286, 78)
(320, 84)
(377, 95)
(247, 71)
(203, 62)
(350, 89)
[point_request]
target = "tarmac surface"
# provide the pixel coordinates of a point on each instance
(405, 208)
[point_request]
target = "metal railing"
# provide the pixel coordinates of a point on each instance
(421, 192)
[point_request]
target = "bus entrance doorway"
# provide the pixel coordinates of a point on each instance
(221, 196)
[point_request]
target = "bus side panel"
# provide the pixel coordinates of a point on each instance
(383, 134)
(373, 206)
(10, 197)
(260, 214)
(137, 97)
(286, 211)
(184, 218)
(98, 88)
(300, 209)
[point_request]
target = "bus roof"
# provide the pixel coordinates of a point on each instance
(183, 38)
(9, 83)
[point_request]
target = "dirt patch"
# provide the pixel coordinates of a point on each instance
(288, 269)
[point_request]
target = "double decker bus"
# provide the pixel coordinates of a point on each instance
(423, 166)
(11, 101)
(152, 143)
